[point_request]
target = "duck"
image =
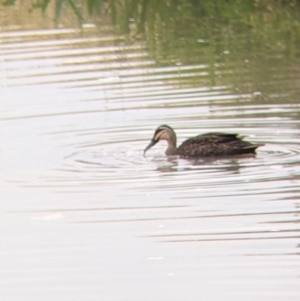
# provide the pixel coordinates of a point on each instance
(212, 144)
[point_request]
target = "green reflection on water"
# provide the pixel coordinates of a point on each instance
(249, 45)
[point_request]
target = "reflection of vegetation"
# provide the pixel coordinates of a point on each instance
(146, 13)
(257, 39)
(61, 6)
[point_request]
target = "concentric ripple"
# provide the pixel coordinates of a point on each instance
(122, 162)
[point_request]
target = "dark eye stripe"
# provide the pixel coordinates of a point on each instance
(158, 131)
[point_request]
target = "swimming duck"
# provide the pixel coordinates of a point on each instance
(205, 145)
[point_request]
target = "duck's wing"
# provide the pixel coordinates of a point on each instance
(212, 138)
(215, 144)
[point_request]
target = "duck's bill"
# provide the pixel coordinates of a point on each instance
(153, 142)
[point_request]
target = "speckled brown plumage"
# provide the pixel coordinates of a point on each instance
(206, 145)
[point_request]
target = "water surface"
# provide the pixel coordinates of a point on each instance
(85, 215)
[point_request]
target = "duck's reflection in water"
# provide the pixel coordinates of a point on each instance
(226, 164)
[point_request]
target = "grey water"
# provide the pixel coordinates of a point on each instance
(84, 216)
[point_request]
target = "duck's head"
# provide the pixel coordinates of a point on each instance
(163, 132)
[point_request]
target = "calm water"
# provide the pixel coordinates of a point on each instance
(84, 216)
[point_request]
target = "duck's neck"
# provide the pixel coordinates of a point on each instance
(171, 150)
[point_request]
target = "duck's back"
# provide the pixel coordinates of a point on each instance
(215, 144)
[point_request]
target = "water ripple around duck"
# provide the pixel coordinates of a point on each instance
(123, 162)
